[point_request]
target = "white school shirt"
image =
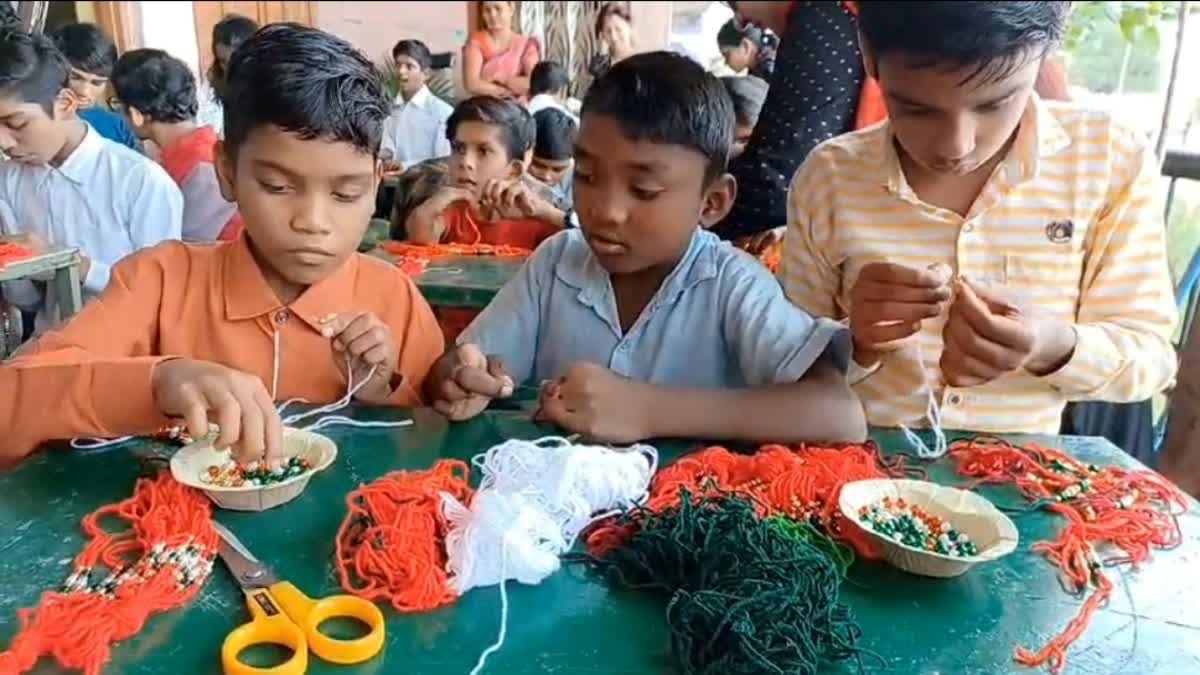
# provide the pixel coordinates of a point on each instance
(105, 199)
(416, 129)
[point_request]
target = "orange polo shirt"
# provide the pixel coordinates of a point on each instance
(92, 376)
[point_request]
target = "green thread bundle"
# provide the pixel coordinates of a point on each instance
(747, 596)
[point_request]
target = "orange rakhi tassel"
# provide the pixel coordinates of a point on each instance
(392, 544)
(159, 564)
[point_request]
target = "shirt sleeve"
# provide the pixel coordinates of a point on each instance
(205, 211)
(774, 341)
(813, 97)
(94, 371)
(1127, 311)
(808, 270)
(509, 326)
(155, 214)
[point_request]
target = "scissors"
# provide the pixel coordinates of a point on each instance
(282, 615)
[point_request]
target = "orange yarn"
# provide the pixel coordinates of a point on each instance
(433, 251)
(10, 253)
(391, 544)
(802, 483)
(158, 564)
(1124, 508)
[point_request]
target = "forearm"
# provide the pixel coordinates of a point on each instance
(518, 85)
(424, 225)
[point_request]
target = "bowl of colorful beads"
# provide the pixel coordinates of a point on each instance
(928, 529)
(253, 488)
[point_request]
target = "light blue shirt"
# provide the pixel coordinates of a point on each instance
(719, 320)
(416, 129)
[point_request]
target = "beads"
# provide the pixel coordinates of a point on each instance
(913, 526)
(232, 475)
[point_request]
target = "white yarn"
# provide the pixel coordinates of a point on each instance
(534, 499)
(933, 415)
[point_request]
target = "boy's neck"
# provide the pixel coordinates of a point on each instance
(954, 193)
(165, 135)
(285, 291)
(408, 97)
(633, 292)
(76, 132)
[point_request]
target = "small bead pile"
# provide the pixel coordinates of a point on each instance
(230, 474)
(913, 526)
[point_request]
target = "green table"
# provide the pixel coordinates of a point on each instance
(571, 624)
(462, 282)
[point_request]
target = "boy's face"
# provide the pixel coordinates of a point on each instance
(410, 75)
(947, 121)
(88, 88)
(738, 58)
(639, 202)
(478, 155)
(28, 134)
(549, 171)
(306, 203)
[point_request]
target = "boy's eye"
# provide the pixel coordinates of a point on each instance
(347, 196)
(645, 194)
(273, 188)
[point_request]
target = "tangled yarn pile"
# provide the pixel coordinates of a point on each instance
(159, 564)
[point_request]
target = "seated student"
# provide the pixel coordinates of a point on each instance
(748, 94)
(66, 185)
(158, 94)
(92, 56)
(486, 200)
(1008, 250)
(416, 129)
(554, 152)
(224, 331)
(548, 89)
(644, 324)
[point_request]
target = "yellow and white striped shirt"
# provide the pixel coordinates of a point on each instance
(1069, 222)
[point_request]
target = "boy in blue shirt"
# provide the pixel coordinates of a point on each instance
(640, 324)
(92, 57)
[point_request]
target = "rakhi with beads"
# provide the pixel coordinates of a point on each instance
(158, 564)
(1131, 510)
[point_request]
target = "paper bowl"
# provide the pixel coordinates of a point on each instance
(192, 459)
(993, 532)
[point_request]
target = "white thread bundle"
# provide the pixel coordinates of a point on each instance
(534, 499)
(933, 415)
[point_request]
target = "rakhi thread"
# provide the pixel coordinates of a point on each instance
(11, 253)
(159, 564)
(426, 252)
(1132, 510)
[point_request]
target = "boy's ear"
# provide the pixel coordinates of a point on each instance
(717, 200)
(518, 165)
(66, 104)
(226, 172)
(136, 116)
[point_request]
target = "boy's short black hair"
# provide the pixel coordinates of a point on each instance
(548, 77)
(87, 48)
(556, 133)
(307, 82)
(748, 94)
(159, 85)
(516, 126)
(415, 50)
(994, 38)
(233, 29)
(663, 97)
(730, 35)
(31, 68)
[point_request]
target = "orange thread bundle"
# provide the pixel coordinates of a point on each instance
(391, 545)
(802, 483)
(433, 251)
(1128, 509)
(159, 564)
(10, 253)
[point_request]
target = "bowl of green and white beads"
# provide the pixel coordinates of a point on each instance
(253, 487)
(928, 529)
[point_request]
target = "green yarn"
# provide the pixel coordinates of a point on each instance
(841, 554)
(748, 596)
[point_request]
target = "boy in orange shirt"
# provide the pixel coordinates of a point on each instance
(223, 332)
(485, 200)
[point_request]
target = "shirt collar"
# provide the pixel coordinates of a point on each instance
(247, 295)
(80, 164)
(419, 99)
(580, 269)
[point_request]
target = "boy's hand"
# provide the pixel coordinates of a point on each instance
(451, 194)
(197, 390)
(597, 403)
(370, 344)
(513, 199)
(468, 382)
(888, 304)
(987, 336)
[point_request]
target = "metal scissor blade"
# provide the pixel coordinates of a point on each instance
(247, 570)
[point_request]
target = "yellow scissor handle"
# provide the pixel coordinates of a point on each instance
(309, 614)
(269, 624)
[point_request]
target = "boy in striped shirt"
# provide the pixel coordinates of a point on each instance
(996, 253)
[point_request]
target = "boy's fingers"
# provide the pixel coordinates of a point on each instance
(870, 290)
(450, 391)
(374, 336)
(893, 274)
(252, 443)
(272, 427)
(195, 414)
(229, 419)
(881, 334)
(497, 369)
(908, 312)
(477, 381)
(1001, 329)
(375, 355)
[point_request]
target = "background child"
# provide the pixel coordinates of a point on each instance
(485, 200)
(998, 253)
(600, 311)
(64, 184)
(416, 129)
(231, 31)
(748, 94)
(158, 94)
(92, 56)
(548, 89)
(222, 332)
(554, 152)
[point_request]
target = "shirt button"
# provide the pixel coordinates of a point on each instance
(956, 399)
(968, 228)
(281, 317)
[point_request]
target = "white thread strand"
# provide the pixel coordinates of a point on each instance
(98, 443)
(495, 647)
(276, 356)
(933, 415)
